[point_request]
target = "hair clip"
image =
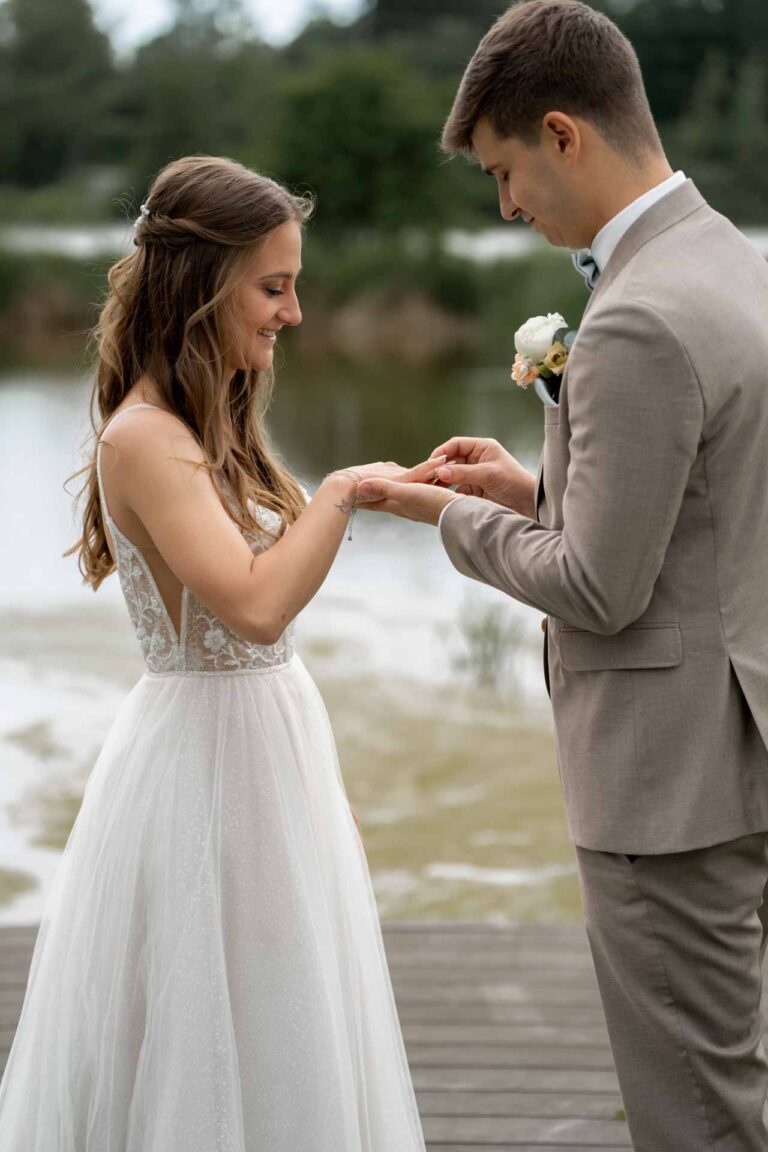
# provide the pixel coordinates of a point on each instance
(143, 214)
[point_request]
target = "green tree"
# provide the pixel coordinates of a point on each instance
(56, 89)
(700, 133)
(722, 138)
(360, 131)
(196, 89)
(674, 38)
(747, 137)
(404, 18)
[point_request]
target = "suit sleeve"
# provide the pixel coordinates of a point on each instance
(636, 418)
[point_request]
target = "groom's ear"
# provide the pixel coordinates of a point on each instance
(562, 132)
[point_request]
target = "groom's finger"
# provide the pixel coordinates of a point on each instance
(373, 491)
(472, 474)
(457, 446)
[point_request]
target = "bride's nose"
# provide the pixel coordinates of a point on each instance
(290, 313)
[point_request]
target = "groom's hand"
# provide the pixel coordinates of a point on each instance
(481, 467)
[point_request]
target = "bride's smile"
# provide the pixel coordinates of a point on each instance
(265, 299)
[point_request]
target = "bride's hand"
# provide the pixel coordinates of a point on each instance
(389, 470)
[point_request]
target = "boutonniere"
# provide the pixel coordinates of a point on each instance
(543, 344)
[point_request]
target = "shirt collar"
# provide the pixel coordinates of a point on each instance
(608, 237)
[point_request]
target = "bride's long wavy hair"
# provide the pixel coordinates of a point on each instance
(169, 315)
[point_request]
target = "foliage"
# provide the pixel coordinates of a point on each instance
(356, 128)
(43, 295)
(56, 71)
(489, 641)
(353, 111)
(722, 140)
(194, 90)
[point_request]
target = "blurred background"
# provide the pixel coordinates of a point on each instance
(411, 295)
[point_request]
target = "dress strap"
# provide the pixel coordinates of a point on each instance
(112, 419)
(110, 422)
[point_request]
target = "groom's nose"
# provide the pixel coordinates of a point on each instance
(507, 205)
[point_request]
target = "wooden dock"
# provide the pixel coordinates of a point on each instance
(503, 1026)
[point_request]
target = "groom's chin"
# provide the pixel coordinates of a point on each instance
(554, 239)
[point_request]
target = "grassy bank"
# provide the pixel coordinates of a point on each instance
(407, 301)
(456, 786)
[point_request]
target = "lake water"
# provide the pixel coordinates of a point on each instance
(434, 683)
(454, 778)
(90, 241)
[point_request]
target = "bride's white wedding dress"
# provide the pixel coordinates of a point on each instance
(209, 973)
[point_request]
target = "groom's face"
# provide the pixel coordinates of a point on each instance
(528, 181)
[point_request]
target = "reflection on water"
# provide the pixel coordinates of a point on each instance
(456, 787)
(324, 417)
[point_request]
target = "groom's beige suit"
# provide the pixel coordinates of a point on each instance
(649, 554)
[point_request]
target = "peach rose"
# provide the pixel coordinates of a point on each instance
(523, 372)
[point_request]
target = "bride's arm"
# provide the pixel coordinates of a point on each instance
(255, 595)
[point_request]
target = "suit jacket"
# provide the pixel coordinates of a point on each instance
(649, 547)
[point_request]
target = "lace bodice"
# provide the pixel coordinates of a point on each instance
(204, 644)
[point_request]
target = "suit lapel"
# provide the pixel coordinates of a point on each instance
(665, 213)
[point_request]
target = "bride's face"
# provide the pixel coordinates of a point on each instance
(265, 298)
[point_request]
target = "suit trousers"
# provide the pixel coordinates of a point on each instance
(678, 942)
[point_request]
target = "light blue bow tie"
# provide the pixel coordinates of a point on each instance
(586, 265)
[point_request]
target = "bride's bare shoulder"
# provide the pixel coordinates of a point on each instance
(137, 433)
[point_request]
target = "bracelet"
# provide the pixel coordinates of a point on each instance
(358, 478)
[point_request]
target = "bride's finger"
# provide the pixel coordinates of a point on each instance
(422, 473)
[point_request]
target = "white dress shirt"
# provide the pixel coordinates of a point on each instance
(457, 496)
(604, 243)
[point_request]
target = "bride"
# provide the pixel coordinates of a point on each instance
(209, 974)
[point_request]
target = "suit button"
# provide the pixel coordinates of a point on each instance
(544, 624)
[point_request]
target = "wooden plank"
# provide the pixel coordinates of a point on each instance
(528, 1057)
(435, 1147)
(505, 1035)
(13, 981)
(583, 1106)
(558, 1081)
(479, 928)
(423, 993)
(533, 978)
(503, 1028)
(489, 1131)
(498, 965)
(570, 1016)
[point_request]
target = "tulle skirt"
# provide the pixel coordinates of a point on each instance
(209, 973)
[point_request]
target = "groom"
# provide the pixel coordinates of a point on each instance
(644, 538)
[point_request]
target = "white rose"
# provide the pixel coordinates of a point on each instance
(535, 338)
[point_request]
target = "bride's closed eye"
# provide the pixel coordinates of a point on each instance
(274, 291)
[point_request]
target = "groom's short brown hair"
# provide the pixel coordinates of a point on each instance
(553, 55)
